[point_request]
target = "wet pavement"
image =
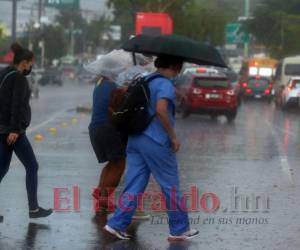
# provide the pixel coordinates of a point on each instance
(254, 159)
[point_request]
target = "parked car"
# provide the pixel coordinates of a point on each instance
(33, 84)
(288, 94)
(51, 76)
(84, 77)
(68, 71)
(206, 93)
(257, 88)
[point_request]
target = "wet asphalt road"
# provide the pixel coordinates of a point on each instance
(256, 157)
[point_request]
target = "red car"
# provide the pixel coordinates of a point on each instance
(210, 94)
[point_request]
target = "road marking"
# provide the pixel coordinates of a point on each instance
(284, 162)
(287, 169)
(39, 126)
(51, 119)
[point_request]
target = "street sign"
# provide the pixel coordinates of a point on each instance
(62, 4)
(235, 35)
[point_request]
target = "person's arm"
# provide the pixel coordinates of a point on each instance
(19, 93)
(162, 114)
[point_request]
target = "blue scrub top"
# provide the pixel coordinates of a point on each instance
(160, 88)
(101, 99)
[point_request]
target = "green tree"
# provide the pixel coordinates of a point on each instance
(95, 32)
(75, 25)
(125, 10)
(276, 25)
(203, 21)
(4, 41)
(55, 42)
(199, 19)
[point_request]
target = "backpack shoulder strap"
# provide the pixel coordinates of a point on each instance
(6, 76)
(155, 76)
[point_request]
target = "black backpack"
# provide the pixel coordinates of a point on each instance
(132, 117)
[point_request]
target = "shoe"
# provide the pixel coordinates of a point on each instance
(140, 216)
(120, 235)
(1, 219)
(40, 213)
(185, 236)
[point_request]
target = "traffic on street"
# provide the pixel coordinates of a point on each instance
(149, 125)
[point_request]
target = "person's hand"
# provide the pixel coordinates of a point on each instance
(12, 138)
(175, 144)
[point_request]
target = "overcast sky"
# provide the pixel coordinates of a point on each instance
(27, 10)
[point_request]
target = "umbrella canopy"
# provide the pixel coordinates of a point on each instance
(175, 45)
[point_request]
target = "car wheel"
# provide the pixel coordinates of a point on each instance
(213, 117)
(185, 111)
(270, 99)
(231, 116)
(239, 100)
(283, 105)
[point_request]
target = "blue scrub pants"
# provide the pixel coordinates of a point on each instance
(145, 157)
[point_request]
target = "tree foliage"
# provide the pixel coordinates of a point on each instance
(276, 25)
(125, 10)
(57, 36)
(199, 19)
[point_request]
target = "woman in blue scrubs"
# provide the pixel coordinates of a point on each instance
(154, 152)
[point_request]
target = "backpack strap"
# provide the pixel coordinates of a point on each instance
(6, 76)
(153, 77)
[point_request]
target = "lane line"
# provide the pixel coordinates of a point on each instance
(39, 126)
(284, 162)
(44, 123)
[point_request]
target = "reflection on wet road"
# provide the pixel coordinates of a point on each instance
(254, 159)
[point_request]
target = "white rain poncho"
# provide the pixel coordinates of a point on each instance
(110, 65)
(115, 63)
(131, 74)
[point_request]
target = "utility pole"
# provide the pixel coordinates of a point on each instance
(14, 21)
(42, 42)
(247, 16)
(40, 9)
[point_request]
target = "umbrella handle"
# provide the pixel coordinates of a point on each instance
(134, 58)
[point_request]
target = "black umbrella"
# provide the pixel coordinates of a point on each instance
(175, 45)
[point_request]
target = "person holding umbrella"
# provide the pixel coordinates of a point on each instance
(154, 150)
(15, 116)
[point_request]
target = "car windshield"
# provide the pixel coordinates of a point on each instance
(258, 83)
(292, 69)
(211, 82)
(296, 83)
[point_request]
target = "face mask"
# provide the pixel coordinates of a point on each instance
(26, 72)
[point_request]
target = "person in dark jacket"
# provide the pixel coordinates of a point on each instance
(15, 117)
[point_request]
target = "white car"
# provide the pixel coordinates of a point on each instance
(291, 92)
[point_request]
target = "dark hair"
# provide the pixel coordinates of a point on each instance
(166, 61)
(21, 54)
